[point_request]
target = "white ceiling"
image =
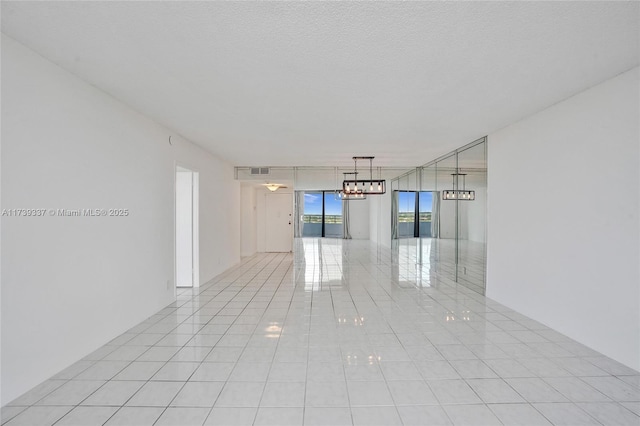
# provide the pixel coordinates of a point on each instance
(314, 83)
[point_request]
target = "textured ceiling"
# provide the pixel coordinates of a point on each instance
(314, 83)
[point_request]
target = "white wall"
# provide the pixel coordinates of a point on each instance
(477, 212)
(448, 219)
(218, 209)
(359, 218)
(70, 284)
(380, 218)
(308, 179)
(261, 214)
(248, 220)
(563, 243)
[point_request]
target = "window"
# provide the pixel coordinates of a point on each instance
(414, 214)
(322, 215)
(406, 214)
(425, 204)
(332, 215)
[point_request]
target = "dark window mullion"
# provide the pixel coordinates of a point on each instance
(416, 215)
(322, 214)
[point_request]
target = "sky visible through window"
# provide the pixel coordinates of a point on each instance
(331, 205)
(426, 201)
(407, 201)
(313, 203)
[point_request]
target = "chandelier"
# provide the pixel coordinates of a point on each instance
(369, 186)
(458, 194)
(344, 196)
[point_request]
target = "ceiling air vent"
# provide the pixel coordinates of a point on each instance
(259, 170)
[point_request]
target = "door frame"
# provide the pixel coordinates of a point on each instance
(195, 223)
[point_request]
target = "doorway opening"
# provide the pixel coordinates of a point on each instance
(186, 227)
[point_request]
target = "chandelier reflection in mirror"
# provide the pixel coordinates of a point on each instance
(459, 194)
(369, 186)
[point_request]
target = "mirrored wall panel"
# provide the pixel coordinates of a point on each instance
(441, 208)
(471, 217)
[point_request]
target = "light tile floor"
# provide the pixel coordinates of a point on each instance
(339, 333)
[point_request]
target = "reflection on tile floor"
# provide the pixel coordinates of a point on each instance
(335, 334)
(418, 261)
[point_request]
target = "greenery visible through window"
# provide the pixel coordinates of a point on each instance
(410, 216)
(317, 218)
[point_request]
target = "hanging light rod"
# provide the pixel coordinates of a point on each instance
(369, 186)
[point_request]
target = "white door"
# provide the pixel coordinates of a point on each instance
(279, 222)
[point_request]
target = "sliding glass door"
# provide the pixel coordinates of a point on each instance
(414, 214)
(425, 205)
(332, 215)
(322, 215)
(312, 215)
(406, 214)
